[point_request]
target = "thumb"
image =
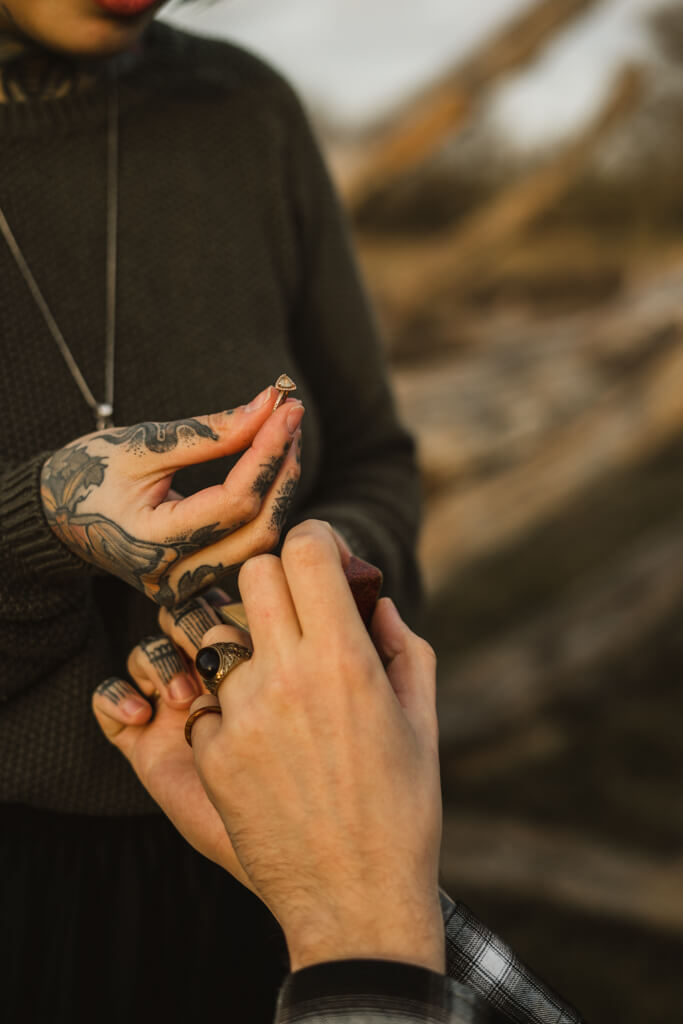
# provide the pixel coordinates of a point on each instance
(117, 705)
(410, 664)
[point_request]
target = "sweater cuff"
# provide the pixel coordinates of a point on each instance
(376, 989)
(24, 528)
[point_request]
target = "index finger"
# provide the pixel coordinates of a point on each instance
(319, 589)
(168, 446)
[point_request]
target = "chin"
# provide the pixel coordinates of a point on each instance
(90, 35)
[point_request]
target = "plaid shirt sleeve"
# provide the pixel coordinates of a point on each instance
(477, 958)
(376, 992)
(484, 983)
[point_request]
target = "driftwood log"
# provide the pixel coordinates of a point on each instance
(417, 131)
(631, 420)
(406, 278)
(562, 867)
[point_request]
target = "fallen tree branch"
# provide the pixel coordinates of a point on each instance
(419, 130)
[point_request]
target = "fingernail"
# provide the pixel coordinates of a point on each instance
(132, 706)
(393, 613)
(294, 418)
(181, 688)
(260, 400)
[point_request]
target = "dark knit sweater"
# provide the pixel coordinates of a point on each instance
(234, 265)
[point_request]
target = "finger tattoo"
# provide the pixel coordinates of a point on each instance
(164, 657)
(159, 437)
(268, 473)
(114, 689)
(194, 619)
(282, 504)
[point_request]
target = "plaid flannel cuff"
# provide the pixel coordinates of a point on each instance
(478, 958)
(375, 992)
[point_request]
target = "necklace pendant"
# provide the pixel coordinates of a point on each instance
(104, 415)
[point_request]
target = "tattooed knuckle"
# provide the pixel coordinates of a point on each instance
(214, 424)
(165, 619)
(265, 538)
(194, 619)
(247, 507)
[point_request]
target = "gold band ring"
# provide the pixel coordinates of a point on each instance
(207, 704)
(214, 663)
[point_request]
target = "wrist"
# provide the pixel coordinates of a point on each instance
(24, 526)
(396, 934)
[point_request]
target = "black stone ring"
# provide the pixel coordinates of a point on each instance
(214, 663)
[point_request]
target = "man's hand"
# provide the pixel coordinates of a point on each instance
(324, 763)
(106, 496)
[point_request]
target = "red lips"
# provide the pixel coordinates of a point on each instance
(126, 8)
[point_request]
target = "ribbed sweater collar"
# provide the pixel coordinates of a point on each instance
(89, 106)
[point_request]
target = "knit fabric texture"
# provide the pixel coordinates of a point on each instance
(234, 266)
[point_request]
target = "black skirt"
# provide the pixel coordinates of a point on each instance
(118, 919)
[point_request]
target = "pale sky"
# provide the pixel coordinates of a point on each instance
(355, 60)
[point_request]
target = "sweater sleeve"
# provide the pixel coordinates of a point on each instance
(368, 485)
(43, 586)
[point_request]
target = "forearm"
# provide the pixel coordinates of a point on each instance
(30, 552)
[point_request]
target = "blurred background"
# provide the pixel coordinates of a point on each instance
(513, 171)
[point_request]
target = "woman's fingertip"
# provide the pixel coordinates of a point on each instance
(294, 417)
(260, 400)
(135, 708)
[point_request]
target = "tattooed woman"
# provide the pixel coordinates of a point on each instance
(169, 243)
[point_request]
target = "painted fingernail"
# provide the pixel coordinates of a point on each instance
(259, 401)
(294, 418)
(182, 688)
(132, 706)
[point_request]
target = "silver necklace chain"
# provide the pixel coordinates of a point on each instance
(103, 411)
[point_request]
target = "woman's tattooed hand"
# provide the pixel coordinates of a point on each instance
(106, 496)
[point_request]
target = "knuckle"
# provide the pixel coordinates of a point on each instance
(280, 690)
(265, 537)
(315, 527)
(248, 729)
(426, 652)
(247, 506)
(302, 548)
(221, 634)
(256, 569)
(355, 668)
(212, 760)
(215, 421)
(164, 619)
(133, 661)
